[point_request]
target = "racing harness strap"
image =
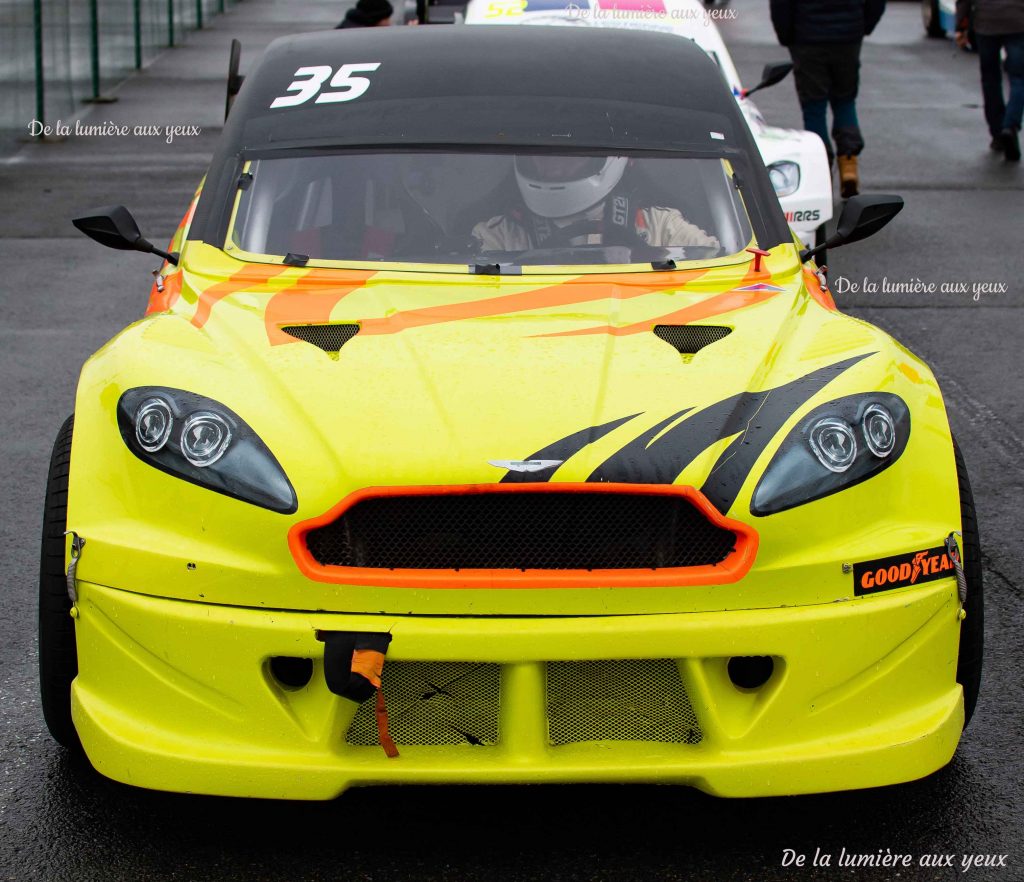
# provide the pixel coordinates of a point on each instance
(353, 664)
(612, 227)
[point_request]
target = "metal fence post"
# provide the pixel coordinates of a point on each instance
(94, 45)
(37, 21)
(170, 22)
(199, 14)
(94, 55)
(137, 23)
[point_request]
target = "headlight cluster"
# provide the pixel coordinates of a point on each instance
(785, 177)
(202, 441)
(835, 446)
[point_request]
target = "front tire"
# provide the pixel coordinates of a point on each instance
(58, 654)
(972, 629)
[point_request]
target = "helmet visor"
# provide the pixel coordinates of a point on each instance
(559, 169)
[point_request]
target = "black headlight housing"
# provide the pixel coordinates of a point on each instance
(202, 441)
(835, 446)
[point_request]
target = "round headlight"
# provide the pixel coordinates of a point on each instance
(204, 438)
(785, 177)
(879, 430)
(153, 424)
(833, 442)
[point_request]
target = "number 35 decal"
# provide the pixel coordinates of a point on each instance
(343, 86)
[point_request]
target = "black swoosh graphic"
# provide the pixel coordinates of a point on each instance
(562, 450)
(756, 416)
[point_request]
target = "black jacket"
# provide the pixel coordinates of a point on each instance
(824, 21)
(990, 18)
(353, 20)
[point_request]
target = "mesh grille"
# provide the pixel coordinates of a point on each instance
(330, 338)
(689, 339)
(434, 703)
(551, 530)
(622, 700)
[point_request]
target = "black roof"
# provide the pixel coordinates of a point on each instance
(558, 87)
(493, 85)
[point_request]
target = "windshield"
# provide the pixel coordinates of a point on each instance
(478, 209)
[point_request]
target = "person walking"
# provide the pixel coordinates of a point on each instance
(368, 14)
(824, 39)
(998, 25)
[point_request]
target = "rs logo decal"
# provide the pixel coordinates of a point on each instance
(343, 86)
(901, 571)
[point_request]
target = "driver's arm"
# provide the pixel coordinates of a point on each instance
(501, 233)
(666, 226)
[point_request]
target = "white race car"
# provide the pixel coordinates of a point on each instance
(938, 17)
(796, 160)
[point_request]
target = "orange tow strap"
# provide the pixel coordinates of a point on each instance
(382, 727)
(368, 663)
(353, 665)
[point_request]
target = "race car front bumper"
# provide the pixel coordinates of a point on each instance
(182, 696)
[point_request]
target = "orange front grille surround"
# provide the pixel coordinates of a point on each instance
(732, 569)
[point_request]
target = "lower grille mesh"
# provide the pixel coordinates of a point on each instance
(550, 530)
(621, 700)
(434, 703)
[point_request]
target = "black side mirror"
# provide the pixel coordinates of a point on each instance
(114, 226)
(774, 72)
(862, 216)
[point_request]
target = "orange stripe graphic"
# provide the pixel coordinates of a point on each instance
(311, 300)
(249, 277)
(581, 290)
(823, 296)
(187, 218)
(714, 306)
(161, 301)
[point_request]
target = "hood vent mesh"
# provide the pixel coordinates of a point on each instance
(690, 339)
(330, 338)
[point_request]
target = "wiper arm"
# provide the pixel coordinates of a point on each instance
(495, 269)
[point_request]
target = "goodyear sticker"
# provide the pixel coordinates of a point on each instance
(913, 568)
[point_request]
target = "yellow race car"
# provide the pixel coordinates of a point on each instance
(488, 424)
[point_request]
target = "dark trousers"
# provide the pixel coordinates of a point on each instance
(1000, 114)
(827, 74)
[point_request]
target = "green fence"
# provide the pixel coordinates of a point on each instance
(55, 54)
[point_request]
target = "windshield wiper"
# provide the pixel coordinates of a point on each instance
(496, 269)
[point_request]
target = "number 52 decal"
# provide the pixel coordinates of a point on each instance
(501, 8)
(343, 86)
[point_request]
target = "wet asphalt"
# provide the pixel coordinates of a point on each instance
(61, 297)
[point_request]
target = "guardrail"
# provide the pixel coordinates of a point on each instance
(56, 54)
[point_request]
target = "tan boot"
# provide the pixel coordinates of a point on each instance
(849, 183)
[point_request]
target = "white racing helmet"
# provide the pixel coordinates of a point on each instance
(561, 186)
